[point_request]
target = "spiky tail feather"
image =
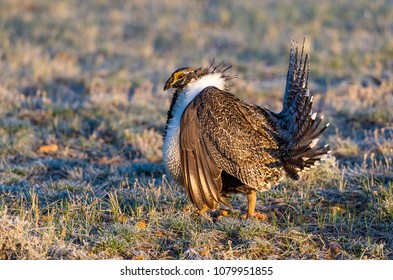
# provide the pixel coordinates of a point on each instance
(302, 126)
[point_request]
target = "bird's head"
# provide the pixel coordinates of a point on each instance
(181, 77)
(186, 75)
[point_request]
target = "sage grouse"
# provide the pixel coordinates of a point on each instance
(216, 144)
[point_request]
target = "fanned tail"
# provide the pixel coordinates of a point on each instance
(301, 126)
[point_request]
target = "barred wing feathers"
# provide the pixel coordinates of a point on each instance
(219, 132)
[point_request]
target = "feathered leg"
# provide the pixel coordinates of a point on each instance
(251, 214)
(252, 201)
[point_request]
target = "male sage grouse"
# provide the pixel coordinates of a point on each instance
(216, 144)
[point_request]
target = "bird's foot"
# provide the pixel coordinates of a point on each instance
(260, 216)
(228, 213)
(203, 213)
(203, 210)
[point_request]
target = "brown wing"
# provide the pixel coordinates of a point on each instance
(219, 132)
(201, 177)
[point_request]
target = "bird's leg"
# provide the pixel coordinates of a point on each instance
(251, 214)
(252, 201)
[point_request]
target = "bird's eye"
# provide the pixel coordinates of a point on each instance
(178, 76)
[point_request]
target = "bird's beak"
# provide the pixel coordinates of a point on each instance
(168, 84)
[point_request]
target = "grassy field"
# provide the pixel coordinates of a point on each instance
(82, 110)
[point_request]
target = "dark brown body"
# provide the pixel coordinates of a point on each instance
(220, 145)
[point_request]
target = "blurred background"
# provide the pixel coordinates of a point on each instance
(62, 56)
(82, 106)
